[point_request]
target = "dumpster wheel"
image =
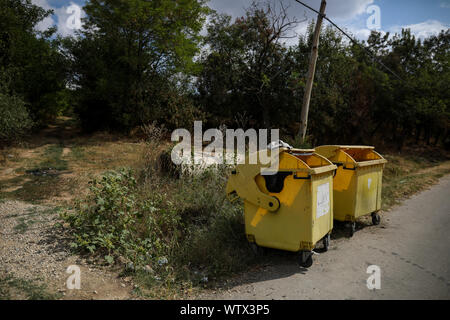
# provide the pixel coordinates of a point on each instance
(376, 219)
(352, 228)
(258, 250)
(326, 242)
(305, 259)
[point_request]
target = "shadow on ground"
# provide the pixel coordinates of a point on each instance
(278, 264)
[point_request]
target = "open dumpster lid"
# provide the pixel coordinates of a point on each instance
(351, 155)
(301, 150)
(349, 147)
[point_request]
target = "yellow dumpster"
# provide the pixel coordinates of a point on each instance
(291, 210)
(357, 184)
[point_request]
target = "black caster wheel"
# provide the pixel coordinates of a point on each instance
(376, 219)
(326, 242)
(306, 259)
(352, 228)
(257, 250)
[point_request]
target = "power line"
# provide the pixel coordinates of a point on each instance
(373, 56)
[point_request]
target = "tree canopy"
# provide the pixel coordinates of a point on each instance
(138, 61)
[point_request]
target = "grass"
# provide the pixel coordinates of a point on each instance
(78, 153)
(23, 225)
(54, 171)
(148, 216)
(52, 159)
(404, 176)
(187, 221)
(17, 288)
(213, 246)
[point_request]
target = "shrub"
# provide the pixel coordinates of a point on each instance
(182, 229)
(14, 118)
(113, 221)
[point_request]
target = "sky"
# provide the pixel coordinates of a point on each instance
(358, 17)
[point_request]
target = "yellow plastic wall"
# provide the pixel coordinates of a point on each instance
(295, 225)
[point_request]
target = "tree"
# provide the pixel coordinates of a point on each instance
(126, 56)
(30, 59)
(246, 65)
(14, 117)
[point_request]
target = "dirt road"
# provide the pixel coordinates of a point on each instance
(411, 247)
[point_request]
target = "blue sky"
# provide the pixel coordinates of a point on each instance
(423, 17)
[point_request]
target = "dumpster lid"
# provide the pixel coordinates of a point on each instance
(349, 147)
(356, 155)
(301, 150)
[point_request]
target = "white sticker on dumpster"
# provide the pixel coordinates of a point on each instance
(323, 199)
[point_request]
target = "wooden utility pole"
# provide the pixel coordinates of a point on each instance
(311, 71)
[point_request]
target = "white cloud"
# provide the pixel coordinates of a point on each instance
(47, 22)
(445, 4)
(344, 10)
(419, 30)
(422, 29)
(59, 18)
(42, 3)
(335, 9)
(362, 34)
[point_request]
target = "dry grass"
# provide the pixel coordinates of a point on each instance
(406, 175)
(69, 159)
(55, 166)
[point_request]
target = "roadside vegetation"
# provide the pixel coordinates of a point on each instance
(125, 208)
(78, 123)
(407, 174)
(177, 234)
(24, 289)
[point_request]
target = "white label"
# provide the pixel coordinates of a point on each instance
(369, 181)
(323, 199)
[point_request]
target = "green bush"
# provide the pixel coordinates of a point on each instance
(14, 118)
(113, 221)
(183, 229)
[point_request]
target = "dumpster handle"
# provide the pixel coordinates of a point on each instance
(301, 178)
(232, 196)
(338, 164)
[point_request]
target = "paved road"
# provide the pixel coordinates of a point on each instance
(411, 247)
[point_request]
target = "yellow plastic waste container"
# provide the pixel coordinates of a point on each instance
(357, 184)
(291, 210)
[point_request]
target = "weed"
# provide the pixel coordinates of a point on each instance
(12, 287)
(52, 158)
(114, 222)
(77, 153)
(23, 225)
(404, 176)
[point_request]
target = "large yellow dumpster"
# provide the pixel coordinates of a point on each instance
(291, 210)
(357, 184)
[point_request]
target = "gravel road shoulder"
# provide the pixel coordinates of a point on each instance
(34, 256)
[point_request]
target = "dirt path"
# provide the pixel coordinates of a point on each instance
(411, 247)
(38, 179)
(34, 258)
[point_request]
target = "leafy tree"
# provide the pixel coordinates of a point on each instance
(127, 54)
(14, 118)
(246, 65)
(30, 58)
